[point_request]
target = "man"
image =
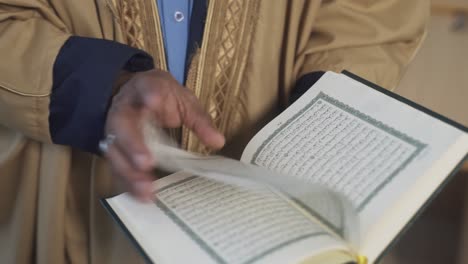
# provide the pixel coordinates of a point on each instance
(63, 88)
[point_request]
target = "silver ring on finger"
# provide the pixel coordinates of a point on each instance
(106, 143)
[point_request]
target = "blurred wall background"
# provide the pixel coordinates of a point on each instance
(438, 79)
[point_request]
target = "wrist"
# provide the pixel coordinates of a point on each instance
(123, 77)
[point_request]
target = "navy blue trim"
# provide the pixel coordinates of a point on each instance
(303, 84)
(83, 76)
(197, 27)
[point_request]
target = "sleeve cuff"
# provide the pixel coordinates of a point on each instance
(83, 77)
(303, 84)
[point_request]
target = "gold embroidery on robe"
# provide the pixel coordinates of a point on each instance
(220, 66)
(140, 24)
(216, 71)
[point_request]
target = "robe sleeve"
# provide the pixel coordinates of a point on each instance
(56, 87)
(373, 39)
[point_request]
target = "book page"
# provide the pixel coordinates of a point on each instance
(213, 222)
(332, 209)
(354, 140)
(334, 145)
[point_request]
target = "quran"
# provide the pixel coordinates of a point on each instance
(335, 178)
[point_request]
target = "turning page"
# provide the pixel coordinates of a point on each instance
(364, 144)
(333, 210)
(199, 220)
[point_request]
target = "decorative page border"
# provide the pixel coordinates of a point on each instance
(366, 118)
(204, 246)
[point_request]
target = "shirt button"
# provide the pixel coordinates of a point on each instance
(179, 16)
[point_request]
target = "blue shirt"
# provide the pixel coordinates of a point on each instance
(175, 23)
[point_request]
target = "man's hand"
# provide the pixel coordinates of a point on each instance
(157, 94)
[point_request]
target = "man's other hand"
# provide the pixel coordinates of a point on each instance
(156, 94)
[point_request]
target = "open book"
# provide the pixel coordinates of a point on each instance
(382, 156)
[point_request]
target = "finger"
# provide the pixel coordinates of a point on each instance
(173, 105)
(207, 134)
(197, 120)
(154, 90)
(138, 183)
(127, 127)
(159, 97)
(169, 115)
(164, 103)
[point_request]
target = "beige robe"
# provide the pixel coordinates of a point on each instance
(252, 54)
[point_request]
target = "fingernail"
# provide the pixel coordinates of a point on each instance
(219, 139)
